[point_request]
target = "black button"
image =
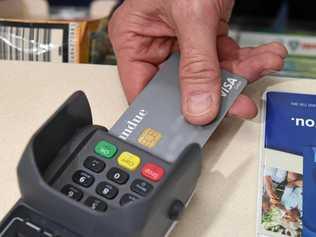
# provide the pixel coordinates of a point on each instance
(107, 190)
(176, 210)
(127, 199)
(118, 176)
(141, 187)
(94, 164)
(96, 204)
(72, 192)
(83, 178)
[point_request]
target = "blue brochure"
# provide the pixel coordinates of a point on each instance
(290, 121)
(309, 219)
(290, 127)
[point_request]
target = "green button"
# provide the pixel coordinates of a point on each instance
(105, 149)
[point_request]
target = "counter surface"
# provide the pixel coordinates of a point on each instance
(225, 200)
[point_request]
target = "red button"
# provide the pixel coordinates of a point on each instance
(153, 172)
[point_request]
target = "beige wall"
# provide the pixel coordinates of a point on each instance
(23, 8)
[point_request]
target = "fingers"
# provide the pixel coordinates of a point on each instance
(251, 63)
(255, 66)
(138, 52)
(138, 61)
(244, 108)
(199, 73)
(273, 48)
(134, 76)
(223, 28)
(228, 49)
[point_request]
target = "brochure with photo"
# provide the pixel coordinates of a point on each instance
(309, 209)
(289, 127)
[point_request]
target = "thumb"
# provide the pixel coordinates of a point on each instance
(199, 67)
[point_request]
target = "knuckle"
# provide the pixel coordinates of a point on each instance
(199, 70)
(276, 62)
(276, 45)
(269, 61)
(191, 9)
(280, 47)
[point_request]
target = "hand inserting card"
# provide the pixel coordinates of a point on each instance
(154, 121)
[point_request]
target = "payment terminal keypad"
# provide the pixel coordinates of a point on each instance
(109, 173)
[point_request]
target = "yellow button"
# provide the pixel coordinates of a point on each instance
(129, 161)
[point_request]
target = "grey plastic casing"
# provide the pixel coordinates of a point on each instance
(66, 133)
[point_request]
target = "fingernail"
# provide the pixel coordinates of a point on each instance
(199, 103)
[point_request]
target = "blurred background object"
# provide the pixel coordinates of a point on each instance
(290, 22)
(69, 9)
(278, 15)
(40, 9)
(23, 8)
(69, 31)
(257, 22)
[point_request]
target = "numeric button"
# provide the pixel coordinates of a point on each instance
(127, 199)
(141, 187)
(94, 164)
(118, 176)
(83, 178)
(107, 190)
(96, 204)
(72, 192)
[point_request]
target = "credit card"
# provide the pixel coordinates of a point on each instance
(154, 121)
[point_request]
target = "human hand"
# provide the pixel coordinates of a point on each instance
(144, 33)
(275, 201)
(292, 215)
(296, 183)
